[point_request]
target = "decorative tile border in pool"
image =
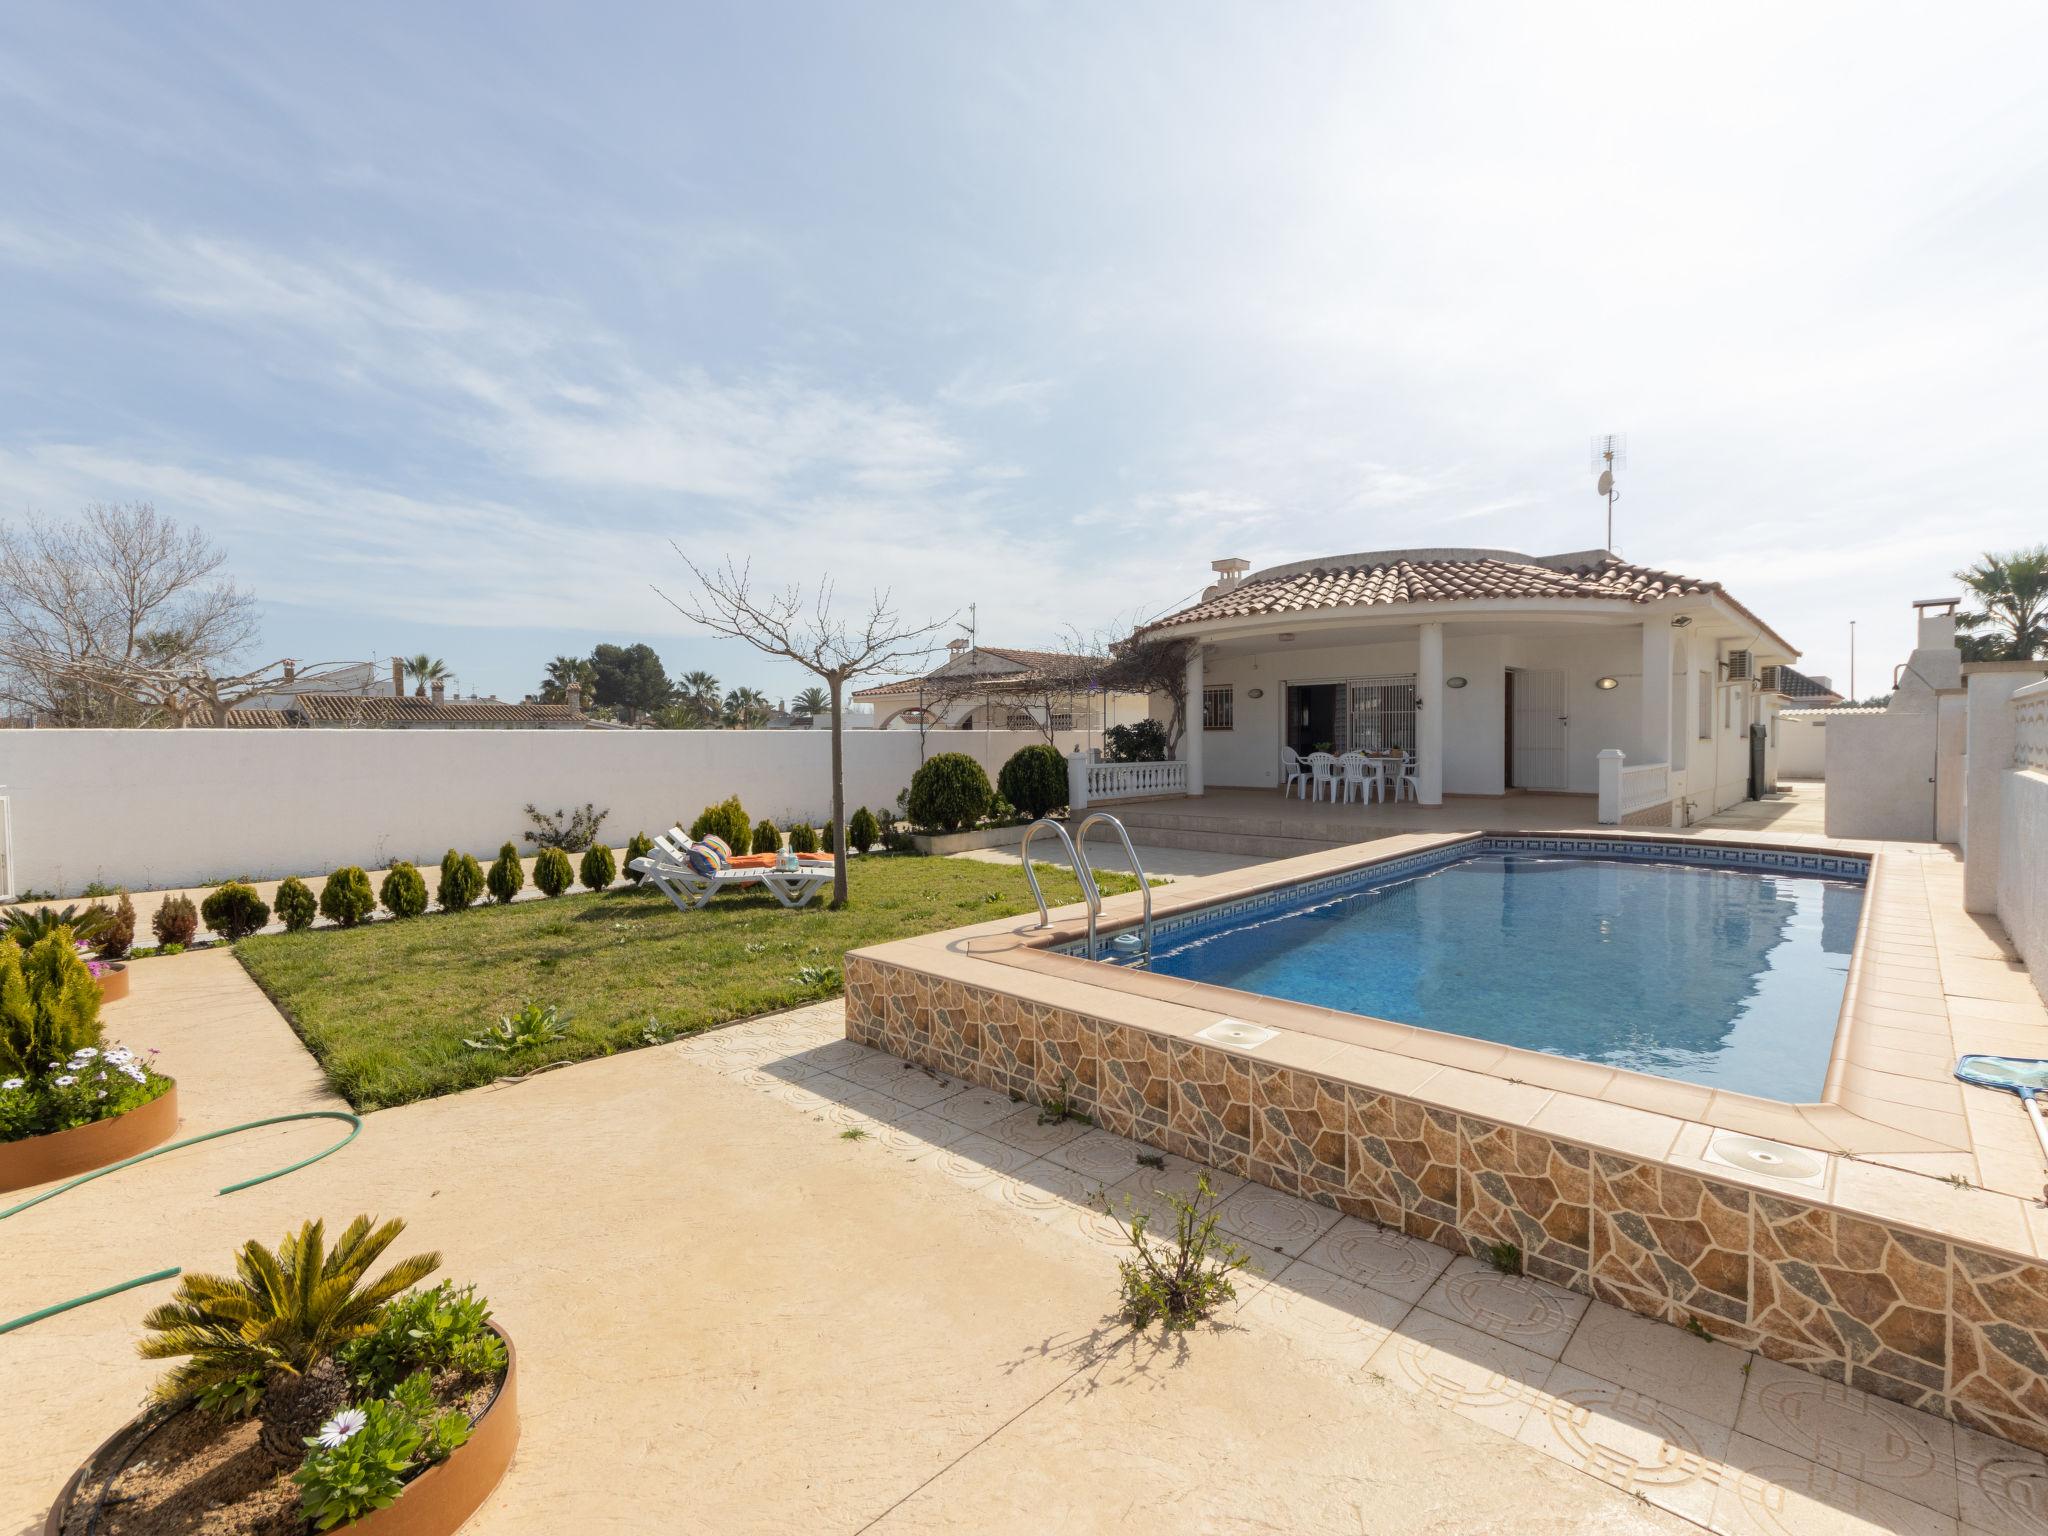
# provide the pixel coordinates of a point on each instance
(1774, 861)
(1914, 1316)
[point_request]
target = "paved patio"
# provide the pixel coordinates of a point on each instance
(732, 1318)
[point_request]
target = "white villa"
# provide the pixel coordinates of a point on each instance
(1004, 689)
(1501, 672)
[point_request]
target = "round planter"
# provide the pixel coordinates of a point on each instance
(435, 1503)
(113, 981)
(59, 1155)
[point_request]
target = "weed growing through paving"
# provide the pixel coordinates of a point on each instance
(1151, 1160)
(1180, 1280)
(1059, 1107)
(1697, 1329)
(854, 1133)
(1505, 1257)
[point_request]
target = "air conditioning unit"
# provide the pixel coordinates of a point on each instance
(1741, 665)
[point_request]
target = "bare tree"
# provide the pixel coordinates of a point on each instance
(118, 587)
(783, 622)
(185, 694)
(1135, 661)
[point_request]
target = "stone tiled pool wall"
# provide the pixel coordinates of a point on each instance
(1905, 1313)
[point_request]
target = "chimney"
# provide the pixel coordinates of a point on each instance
(291, 672)
(1229, 572)
(956, 648)
(397, 678)
(437, 690)
(573, 697)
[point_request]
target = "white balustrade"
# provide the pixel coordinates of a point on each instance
(2030, 727)
(1626, 788)
(1090, 783)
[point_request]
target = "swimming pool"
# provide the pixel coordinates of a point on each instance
(1720, 973)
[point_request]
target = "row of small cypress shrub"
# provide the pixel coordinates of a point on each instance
(728, 820)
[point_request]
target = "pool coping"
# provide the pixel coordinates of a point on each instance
(1882, 1109)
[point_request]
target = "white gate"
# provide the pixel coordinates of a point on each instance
(1539, 724)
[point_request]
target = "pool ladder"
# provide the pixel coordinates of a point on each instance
(1084, 872)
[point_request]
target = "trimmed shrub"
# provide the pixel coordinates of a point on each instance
(117, 935)
(234, 911)
(827, 839)
(862, 831)
(638, 848)
(767, 837)
(296, 905)
(507, 877)
(553, 872)
(1144, 741)
(598, 869)
(803, 838)
(404, 891)
(1035, 780)
(462, 882)
(948, 792)
(346, 899)
(51, 1006)
(728, 820)
(175, 921)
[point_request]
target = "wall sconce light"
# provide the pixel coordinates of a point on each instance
(1255, 693)
(1683, 621)
(1454, 682)
(1285, 639)
(1606, 684)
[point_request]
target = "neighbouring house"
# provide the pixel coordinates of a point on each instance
(376, 706)
(1005, 689)
(1502, 672)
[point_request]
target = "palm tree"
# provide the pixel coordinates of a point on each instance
(812, 702)
(424, 669)
(563, 671)
(2012, 596)
(746, 709)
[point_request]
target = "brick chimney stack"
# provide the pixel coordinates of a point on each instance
(397, 678)
(572, 695)
(291, 672)
(437, 690)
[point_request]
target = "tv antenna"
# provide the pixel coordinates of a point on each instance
(1610, 452)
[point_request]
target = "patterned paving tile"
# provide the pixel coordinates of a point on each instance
(918, 1130)
(1526, 1312)
(1630, 1441)
(976, 1160)
(1690, 1374)
(1337, 1324)
(901, 1080)
(1271, 1222)
(1043, 1187)
(1100, 1156)
(1766, 1491)
(1861, 1435)
(2002, 1489)
(976, 1108)
(1021, 1128)
(1475, 1375)
(1380, 1257)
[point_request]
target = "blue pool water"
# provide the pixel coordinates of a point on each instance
(1726, 977)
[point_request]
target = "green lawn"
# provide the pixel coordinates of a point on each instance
(385, 1007)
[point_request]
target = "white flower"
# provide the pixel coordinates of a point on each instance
(13, 1083)
(85, 1053)
(103, 1093)
(344, 1424)
(134, 1073)
(66, 1080)
(118, 1055)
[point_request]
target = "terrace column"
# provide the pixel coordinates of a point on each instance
(1689, 710)
(1656, 723)
(1191, 733)
(1429, 715)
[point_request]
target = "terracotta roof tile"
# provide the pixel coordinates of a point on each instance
(259, 719)
(382, 709)
(1030, 666)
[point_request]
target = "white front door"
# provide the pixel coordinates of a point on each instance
(1539, 725)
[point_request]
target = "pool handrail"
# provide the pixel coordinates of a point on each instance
(1144, 885)
(1082, 873)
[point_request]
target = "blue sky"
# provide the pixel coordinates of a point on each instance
(447, 320)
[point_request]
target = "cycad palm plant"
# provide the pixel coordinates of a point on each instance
(277, 1323)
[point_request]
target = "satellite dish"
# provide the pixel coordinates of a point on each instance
(1606, 485)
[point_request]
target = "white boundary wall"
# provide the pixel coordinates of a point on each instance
(2022, 871)
(149, 809)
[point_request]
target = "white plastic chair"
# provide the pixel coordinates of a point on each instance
(1292, 773)
(1357, 774)
(1322, 775)
(1407, 784)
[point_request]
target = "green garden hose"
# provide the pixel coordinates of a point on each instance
(355, 1124)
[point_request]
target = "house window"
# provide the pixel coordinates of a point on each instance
(965, 722)
(1020, 720)
(1706, 706)
(1219, 710)
(1062, 720)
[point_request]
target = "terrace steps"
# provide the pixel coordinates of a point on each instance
(1171, 824)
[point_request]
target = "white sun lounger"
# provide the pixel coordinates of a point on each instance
(690, 890)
